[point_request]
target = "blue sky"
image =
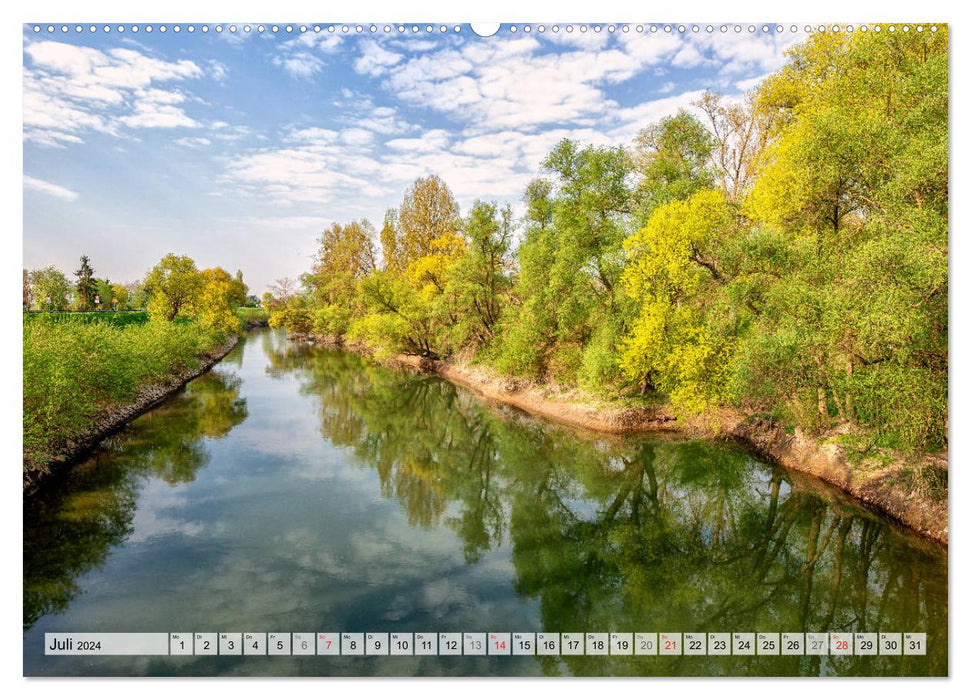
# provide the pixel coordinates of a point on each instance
(238, 149)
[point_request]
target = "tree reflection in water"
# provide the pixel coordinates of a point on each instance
(593, 533)
(70, 526)
(634, 533)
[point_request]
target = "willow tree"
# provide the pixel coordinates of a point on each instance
(405, 305)
(570, 308)
(857, 183)
(673, 158)
(346, 254)
(481, 279)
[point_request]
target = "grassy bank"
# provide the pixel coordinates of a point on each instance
(76, 372)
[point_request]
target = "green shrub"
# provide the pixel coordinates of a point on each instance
(75, 369)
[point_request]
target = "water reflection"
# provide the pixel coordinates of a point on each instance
(70, 526)
(631, 534)
(362, 498)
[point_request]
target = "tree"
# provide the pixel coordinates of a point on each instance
(119, 296)
(408, 306)
(238, 290)
(673, 158)
(346, 249)
(346, 255)
(137, 294)
(855, 183)
(103, 294)
(481, 279)
(427, 213)
(740, 134)
(49, 289)
(570, 311)
(216, 305)
(173, 286)
(390, 234)
(86, 286)
(673, 266)
(283, 289)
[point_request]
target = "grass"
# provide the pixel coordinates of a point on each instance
(925, 480)
(75, 369)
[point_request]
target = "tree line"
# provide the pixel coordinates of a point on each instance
(785, 254)
(173, 289)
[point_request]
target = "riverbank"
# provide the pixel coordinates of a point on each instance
(114, 418)
(892, 484)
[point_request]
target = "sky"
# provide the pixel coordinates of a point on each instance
(238, 148)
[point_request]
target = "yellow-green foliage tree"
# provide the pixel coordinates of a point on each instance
(177, 289)
(480, 279)
(390, 235)
(119, 296)
(346, 255)
(855, 185)
(814, 284)
(218, 299)
(289, 306)
(173, 285)
(405, 306)
(673, 273)
(49, 289)
(427, 214)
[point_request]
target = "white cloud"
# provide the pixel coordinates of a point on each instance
(193, 141)
(299, 56)
(536, 81)
(739, 52)
(49, 188)
(148, 114)
(71, 90)
(630, 120)
(519, 82)
(578, 39)
(356, 136)
(228, 132)
(512, 100)
(375, 60)
(319, 166)
(318, 41)
(431, 141)
(299, 65)
(218, 70)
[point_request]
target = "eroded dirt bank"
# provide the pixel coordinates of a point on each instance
(889, 488)
(117, 417)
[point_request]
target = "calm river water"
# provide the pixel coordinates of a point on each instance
(297, 489)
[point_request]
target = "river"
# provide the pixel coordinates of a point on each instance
(301, 489)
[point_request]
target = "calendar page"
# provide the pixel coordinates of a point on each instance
(519, 349)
